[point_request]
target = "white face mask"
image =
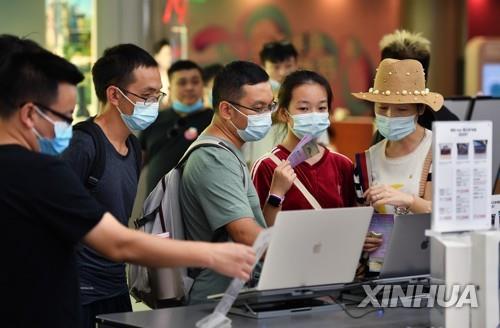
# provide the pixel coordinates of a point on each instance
(312, 124)
(395, 128)
(143, 116)
(257, 127)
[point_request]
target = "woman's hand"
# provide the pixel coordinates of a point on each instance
(361, 270)
(283, 178)
(387, 195)
(372, 243)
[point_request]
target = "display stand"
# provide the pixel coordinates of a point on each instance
(279, 302)
(464, 259)
(485, 275)
(464, 252)
(450, 265)
(284, 307)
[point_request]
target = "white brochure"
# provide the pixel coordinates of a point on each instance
(495, 212)
(461, 175)
(218, 318)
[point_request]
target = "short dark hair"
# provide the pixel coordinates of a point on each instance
(229, 81)
(277, 51)
(10, 44)
(182, 65)
(160, 44)
(402, 44)
(33, 76)
(210, 71)
(298, 78)
(117, 65)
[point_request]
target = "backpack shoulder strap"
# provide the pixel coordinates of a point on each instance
(309, 197)
(211, 143)
(425, 173)
(99, 162)
(136, 148)
(198, 144)
(362, 174)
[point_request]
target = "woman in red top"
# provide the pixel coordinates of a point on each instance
(304, 106)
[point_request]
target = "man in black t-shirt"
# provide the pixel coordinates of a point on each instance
(45, 210)
(127, 83)
(166, 140)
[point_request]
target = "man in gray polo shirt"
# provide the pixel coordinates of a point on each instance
(217, 197)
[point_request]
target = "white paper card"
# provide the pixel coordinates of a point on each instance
(495, 211)
(218, 318)
(461, 174)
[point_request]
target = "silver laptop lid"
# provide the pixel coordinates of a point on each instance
(315, 247)
(408, 253)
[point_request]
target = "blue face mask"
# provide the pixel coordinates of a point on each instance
(313, 124)
(187, 109)
(257, 127)
(211, 98)
(395, 128)
(275, 85)
(144, 114)
(63, 133)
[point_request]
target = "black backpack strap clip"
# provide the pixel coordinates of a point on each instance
(141, 222)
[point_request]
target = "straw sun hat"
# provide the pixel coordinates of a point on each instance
(401, 82)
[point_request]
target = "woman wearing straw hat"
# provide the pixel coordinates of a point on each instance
(394, 174)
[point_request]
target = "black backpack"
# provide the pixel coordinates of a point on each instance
(99, 163)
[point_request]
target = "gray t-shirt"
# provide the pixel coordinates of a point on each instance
(101, 278)
(213, 194)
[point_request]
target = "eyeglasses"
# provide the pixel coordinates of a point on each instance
(55, 113)
(272, 107)
(149, 100)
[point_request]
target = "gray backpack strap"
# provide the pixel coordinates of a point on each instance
(212, 143)
(198, 144)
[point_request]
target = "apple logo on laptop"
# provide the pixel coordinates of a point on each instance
(424, 244)
(317, 248)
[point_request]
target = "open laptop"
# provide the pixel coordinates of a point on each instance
(406, 260)
(314, 247)
(310, 248)
(408, 252)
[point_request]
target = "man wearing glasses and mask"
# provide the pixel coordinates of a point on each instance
(217, 198)
(127, 83)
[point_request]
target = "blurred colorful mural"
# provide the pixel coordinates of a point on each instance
(338, 38)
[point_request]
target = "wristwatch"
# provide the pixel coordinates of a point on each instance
(401, 210)
(275, 200)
